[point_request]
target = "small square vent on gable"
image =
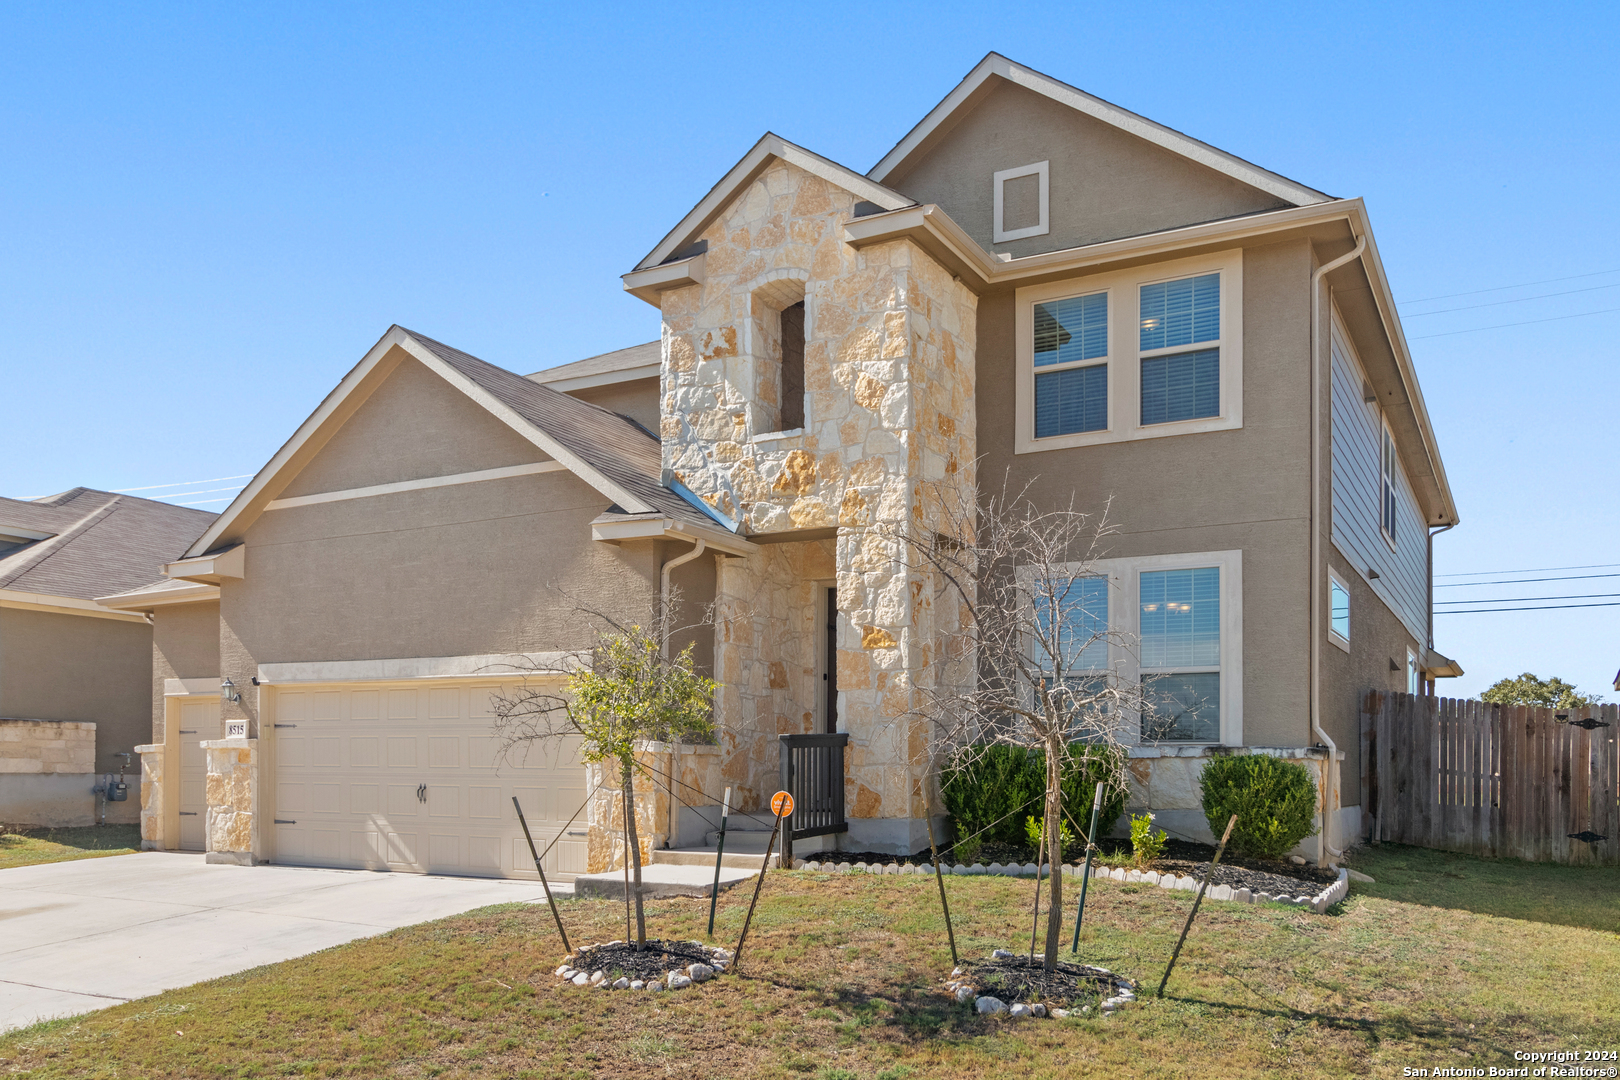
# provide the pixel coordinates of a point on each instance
(1021, 202)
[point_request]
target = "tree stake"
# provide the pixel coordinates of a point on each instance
(1200, 899)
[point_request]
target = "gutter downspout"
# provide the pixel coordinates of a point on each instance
(1432, 534)
(1324, 846)
(663, 604)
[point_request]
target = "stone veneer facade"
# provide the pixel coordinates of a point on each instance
(233, 800)
(889, 424)
(45, 772)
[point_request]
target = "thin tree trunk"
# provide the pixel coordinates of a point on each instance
(1055, 753)
(633, 844)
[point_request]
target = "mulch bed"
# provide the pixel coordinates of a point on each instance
(654, 962)
(1017, 979)
(1181, 857)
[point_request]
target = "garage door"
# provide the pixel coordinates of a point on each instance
(410, 777)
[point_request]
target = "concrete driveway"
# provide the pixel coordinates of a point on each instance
(80, 936)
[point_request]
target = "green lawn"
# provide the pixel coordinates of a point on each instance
(26, 847)
(839, 979)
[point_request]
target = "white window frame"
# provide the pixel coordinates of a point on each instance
(1040, 228)
(1335, 578)
(1389, 470)
(1414, 673)
(1124, 614)
(1125, 356)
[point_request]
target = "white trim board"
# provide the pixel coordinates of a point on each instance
(968, 93)
(18, 600)
(503, 473)
(403, 669)
(1041, 171)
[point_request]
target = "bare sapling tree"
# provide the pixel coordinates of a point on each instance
(1028, 656)
(630, 687)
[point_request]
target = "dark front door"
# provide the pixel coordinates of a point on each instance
(830, 676)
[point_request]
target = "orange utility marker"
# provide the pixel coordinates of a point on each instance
(781, 806)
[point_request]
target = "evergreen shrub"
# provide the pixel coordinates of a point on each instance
(1274, 800)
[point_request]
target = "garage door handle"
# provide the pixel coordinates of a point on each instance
(188, 813)
(183, 731)
(421, 793)
(283, 725)
(283, 821)
(571, 832)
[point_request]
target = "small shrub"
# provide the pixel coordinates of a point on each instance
(1274, 800)
(1035, 833)
(1147, 843)
(998, 784)
(1116, 859)
(967, 851)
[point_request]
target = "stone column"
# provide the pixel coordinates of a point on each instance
(152, 838)
(232, 794)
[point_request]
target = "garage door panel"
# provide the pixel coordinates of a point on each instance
(354, 786)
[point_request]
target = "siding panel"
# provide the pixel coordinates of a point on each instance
(1402, 582)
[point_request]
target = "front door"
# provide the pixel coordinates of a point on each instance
(830, 665)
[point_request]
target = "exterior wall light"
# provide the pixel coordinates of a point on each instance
(227, 691)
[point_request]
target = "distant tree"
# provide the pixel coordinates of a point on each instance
(1552, 693)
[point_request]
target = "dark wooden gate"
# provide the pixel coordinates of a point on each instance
(813, 773)
(1497, 780)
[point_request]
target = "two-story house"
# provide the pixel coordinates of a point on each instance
(1033, 284)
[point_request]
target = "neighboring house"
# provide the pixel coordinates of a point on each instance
(75, 677)
(1034, 284)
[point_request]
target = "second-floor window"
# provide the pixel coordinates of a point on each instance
(792, 415)
(1142, 353)
(1389, 467)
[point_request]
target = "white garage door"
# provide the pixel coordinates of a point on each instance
(410, 777)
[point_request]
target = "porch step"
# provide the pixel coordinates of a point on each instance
(663, 880)
(753, 841)
(731, 860)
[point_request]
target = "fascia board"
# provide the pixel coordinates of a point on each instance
(617, 528)
(605, 378)
(647, 284)
(996, 65)
(753, 163)
(935, 231)
(503, 412)
(147, 599)
(258, 491)
(230, 563)
(876, 228)
(19, 600)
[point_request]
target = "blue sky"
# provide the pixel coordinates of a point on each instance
(209, 213)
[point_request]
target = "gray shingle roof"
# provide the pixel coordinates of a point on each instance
(649, 354)
(620, 449)
(102, 542)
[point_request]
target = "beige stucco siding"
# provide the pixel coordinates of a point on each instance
(185, 645)
(414, 425)
(1104, 182)
(637, 399)
(1247, 488)
(71, 667)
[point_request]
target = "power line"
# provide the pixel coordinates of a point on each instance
(200, 502)
(200, 491)
(1516, 300)
(1527, 599)
(1549, 607)
(1504, 288)
(1526, 322)
(1531, 570)
(182, 483)
(1522, 581)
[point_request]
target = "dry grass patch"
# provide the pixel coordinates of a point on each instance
(840, 980)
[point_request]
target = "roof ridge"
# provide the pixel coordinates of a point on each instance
(34, 555)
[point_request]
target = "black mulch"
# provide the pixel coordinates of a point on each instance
(1015, 980)
(653, 962)
(1181, 857)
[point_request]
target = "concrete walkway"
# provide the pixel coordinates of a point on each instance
(80, 936)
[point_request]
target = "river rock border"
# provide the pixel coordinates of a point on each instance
(1318, 903)
(676, 979)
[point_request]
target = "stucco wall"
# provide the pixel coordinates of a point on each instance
(1104, 183)
(71, 667)
(185, 645)
(637, 399)
(1247, 488)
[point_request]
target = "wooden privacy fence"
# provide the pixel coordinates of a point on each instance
(1498, 780)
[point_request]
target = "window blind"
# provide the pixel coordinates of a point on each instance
(1185, 386)
(1181, 312)
(1072, 400)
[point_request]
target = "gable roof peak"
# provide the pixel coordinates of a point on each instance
(770, 147)
(996, 69)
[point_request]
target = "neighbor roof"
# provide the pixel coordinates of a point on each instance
(995, 68)
(94, 542)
